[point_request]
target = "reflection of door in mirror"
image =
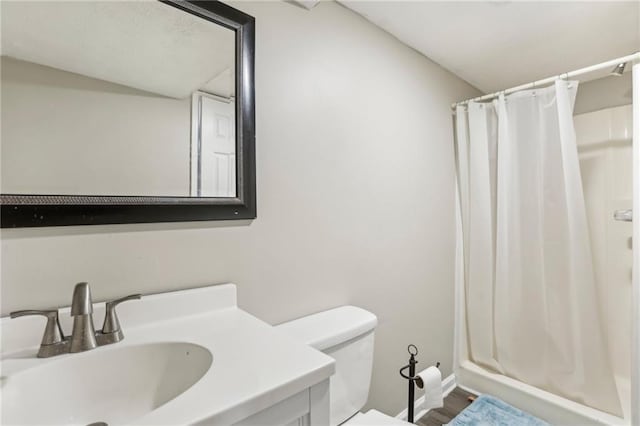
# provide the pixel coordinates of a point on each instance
(213, 150)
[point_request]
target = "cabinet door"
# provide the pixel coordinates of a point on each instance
(302, 421)
(307, 408)
(289, 412)
(319, 413)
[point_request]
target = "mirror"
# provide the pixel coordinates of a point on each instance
(136, 104)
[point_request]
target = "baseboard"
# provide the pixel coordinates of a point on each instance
(468, 389)
(448, 384)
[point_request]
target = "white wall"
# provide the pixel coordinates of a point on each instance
(99, 124)
(355, 180)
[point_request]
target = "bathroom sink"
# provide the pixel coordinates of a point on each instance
(189, 357)
(112, 385)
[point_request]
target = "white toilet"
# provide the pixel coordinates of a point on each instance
(346, 334)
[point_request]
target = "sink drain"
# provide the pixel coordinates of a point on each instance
(98, 424)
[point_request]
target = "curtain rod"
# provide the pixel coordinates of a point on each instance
(534, 84)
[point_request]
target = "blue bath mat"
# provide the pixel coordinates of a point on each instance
(489, 411)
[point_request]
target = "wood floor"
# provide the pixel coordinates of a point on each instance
(455, 402)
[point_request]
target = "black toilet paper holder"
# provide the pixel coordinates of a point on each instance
(413, 379)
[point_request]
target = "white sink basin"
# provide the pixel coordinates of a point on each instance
(113, 385)
(161, 374)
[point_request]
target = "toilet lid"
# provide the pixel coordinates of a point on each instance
(375, 418)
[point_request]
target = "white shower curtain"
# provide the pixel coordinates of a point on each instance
(530, 291)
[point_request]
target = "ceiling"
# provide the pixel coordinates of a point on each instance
(495, 45)
(149, 46)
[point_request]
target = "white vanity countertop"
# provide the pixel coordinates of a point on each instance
(254, 365)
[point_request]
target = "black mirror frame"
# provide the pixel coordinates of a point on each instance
(62, 210)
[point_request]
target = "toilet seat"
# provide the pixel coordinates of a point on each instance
(374, 418)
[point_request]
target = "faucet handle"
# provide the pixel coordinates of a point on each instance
(111, 323)
(52, 332)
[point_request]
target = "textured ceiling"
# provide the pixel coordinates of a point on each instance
(149, 46)
(495, 45)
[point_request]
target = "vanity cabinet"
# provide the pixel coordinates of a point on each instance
(307, 408)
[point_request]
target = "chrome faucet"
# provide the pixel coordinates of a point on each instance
(83, 337)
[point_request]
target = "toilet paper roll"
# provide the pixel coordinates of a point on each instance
(432, 384)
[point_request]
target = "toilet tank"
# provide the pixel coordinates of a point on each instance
(346, 334)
